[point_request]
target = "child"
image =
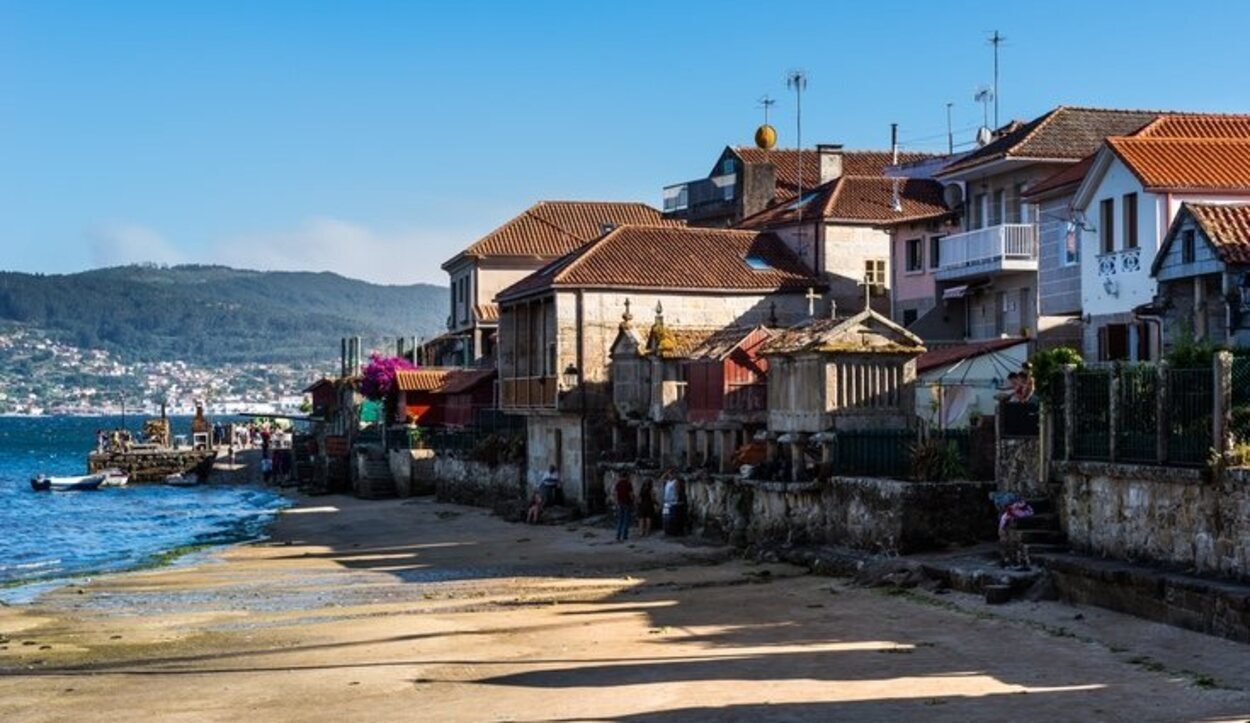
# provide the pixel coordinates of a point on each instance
(535, 512)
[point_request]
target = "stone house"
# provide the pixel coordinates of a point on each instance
(987, 277)
(509, 253)
(1134, 188)
(1203, 273)
(558, 326)
(843, 374)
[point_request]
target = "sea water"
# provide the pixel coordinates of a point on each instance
(46, 537)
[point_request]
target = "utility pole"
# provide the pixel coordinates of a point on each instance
(996, 40)
(950, 134)
(796, 80)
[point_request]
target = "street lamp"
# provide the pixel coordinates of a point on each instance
(570, 375)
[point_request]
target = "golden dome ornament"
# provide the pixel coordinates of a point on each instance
(765, 137)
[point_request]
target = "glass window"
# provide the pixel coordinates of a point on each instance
(874, 273)
(1106, 225)
(1015, 206)
(935, 251)
(1188, 252)
(996, 208)
(978, 212)
(1070, 251)
(915, 255)
(1130, 220)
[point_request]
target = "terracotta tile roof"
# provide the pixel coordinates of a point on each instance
(724, 341)
(786, 162)
(1070, 176)
(951, 354)
(676, 342)
(552, 228)
(486, 312)
(1197, 125)
(1227, 226)
(670, 257)
(1065, 133)
(426, 379)
(459, 381)
(1178, 164)
(859, 199)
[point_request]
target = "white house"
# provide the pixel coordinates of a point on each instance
(1123, 208)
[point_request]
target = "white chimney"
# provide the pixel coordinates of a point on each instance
(830, 161)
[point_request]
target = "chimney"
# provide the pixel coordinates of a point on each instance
(830, 161)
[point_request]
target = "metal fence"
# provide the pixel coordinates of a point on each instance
(1058, 419)
(1139, 414)
(889, 452)
(1240, 398)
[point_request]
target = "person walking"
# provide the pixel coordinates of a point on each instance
(624, 494)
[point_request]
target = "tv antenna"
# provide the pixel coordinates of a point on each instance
(766, 103)
(985, 96)
(996, 40)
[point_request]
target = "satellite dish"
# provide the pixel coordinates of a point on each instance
(953, 195)
(984, 136)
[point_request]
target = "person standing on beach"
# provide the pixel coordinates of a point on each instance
(624, 494)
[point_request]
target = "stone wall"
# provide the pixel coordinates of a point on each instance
(1186, 518)
(477, 483)
(1017, 466)
(880, 515)
(413, 471)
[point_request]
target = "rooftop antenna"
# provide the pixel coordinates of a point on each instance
(895, 203)
(766, 135)
(796, 80)
(950, 134)
(985, 96)
(996, 40)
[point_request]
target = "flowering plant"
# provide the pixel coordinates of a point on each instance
(378, 380)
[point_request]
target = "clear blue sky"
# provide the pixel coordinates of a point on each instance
(377, 138)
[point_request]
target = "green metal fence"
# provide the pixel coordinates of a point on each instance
(1240, 414)
(1058, 419)
(1190, 407)
(1137, 428)
(888, 453)
(1091, 414)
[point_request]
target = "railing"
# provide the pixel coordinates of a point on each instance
(528, 392)
(888, 452)
(1013, 241)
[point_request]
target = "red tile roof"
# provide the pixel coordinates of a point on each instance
(1070, 176)
(552, 228)
(786, 162)
(1065, 133)
(486, 312)
(678, 258)
(859, 199)
(426, 379)
(1197, 125)
(460, 381)
(1227, 226)
(1179, 164)
(951, 354)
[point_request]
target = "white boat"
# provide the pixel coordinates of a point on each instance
(43, 483)
(115, 478)
(181, 480)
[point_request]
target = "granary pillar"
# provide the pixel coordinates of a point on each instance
(797, 461)
(726, 458)
(773, 449)
(664, 446)
(616, 439)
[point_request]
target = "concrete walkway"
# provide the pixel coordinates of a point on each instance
(413, 610)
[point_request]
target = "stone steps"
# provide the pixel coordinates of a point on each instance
(377, 482)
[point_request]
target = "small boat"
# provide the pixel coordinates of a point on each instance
(43, 483)
(115, 478)
(178, 479)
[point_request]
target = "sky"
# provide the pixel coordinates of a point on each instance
(377, 139)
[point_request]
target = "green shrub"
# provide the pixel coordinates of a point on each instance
(936, 460)
(1048, 367)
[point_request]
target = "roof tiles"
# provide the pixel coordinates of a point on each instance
(859, 199)
(787, 162)
(1227, 226)
(1187, 163)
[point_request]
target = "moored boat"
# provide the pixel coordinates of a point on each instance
(43, 483)
(115, 478)
(181, 480)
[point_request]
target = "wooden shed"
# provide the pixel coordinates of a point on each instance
(727, 377)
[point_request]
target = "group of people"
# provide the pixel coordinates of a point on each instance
(1020, 387)
(642, 508)
(117, 440)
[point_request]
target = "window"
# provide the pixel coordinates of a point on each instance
(915, 255)
(755, 263)
(978, 212)
(1015, 209)
(874, 274)
(909, 317)
(1130, 220)
(996, 208)
(1106, 224)
(1187, 246)
(727, 166)
(935, 251)
(1070, 251)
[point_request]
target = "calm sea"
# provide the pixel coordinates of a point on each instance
(49, 536)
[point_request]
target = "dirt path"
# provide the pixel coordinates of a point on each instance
(421, 611)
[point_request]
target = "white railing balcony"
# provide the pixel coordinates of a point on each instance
(1006, 247)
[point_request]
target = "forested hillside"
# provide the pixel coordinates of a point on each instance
(210, 314)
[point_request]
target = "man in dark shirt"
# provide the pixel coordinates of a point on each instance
(624, 494)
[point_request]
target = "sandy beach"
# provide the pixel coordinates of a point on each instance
(415, 610)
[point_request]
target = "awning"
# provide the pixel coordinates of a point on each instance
(955, 292)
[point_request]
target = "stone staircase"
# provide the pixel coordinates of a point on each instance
(376, 482)
(1039, 534)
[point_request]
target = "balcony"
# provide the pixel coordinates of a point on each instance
(702, 196)
(1006, 247)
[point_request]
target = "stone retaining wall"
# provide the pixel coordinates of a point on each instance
(880, 515)
(1177, 517)
(475, 483)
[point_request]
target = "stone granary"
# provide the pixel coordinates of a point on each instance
(650, 390)
(835, 375)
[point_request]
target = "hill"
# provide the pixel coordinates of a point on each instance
(215, 314)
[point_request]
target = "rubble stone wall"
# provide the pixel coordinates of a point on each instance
(475, 483)
(881, 515)
(1178, 517)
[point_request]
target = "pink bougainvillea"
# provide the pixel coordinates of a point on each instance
(378, 378)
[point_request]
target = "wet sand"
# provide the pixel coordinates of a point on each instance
(413, 610)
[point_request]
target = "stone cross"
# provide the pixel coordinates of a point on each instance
(811, 297)
(867, 284)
